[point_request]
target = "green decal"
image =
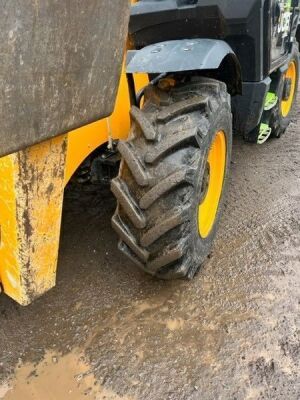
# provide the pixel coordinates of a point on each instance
(271, 101)
(264, 133)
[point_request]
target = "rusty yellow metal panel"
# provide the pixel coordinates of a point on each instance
(31, 198)
(9, 271)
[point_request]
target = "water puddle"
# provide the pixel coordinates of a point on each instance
(56, 378)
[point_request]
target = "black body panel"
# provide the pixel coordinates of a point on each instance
(247, 109)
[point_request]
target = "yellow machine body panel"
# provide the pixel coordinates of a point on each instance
(31, 184)
(81, 142)
(9, 271)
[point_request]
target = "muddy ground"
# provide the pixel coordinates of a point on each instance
(108, 331)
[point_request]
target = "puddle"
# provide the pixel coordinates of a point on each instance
(56, 378)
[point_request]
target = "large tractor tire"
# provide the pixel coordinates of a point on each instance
(287, 93)
(172, 177)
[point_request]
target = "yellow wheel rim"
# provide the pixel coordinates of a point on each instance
(291, 74)
(216, 164)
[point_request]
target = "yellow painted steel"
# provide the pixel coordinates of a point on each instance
(9, 270)
(209, 206)
(31, 196)
(291, 73)
(83, 141)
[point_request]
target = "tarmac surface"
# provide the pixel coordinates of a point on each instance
(108, 331)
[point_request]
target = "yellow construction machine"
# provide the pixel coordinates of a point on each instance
(190, 84)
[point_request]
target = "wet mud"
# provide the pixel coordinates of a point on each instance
(108, 331)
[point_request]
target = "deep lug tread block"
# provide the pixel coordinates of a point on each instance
(133, 163)
(147, 128)
(177, 271)
(172, 143)
(121, 191)
(122, 246)
(181, 107)
(167, 258)
(163, 187)
(128, 238)
(161, 228)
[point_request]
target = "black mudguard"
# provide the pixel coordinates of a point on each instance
(179, 56)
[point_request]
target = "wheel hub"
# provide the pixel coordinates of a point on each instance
(212, 185)
(290, 81)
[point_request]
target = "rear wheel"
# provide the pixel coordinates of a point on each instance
(287, 92)
(172, 177)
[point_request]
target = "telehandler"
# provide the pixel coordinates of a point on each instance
(196, 71)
